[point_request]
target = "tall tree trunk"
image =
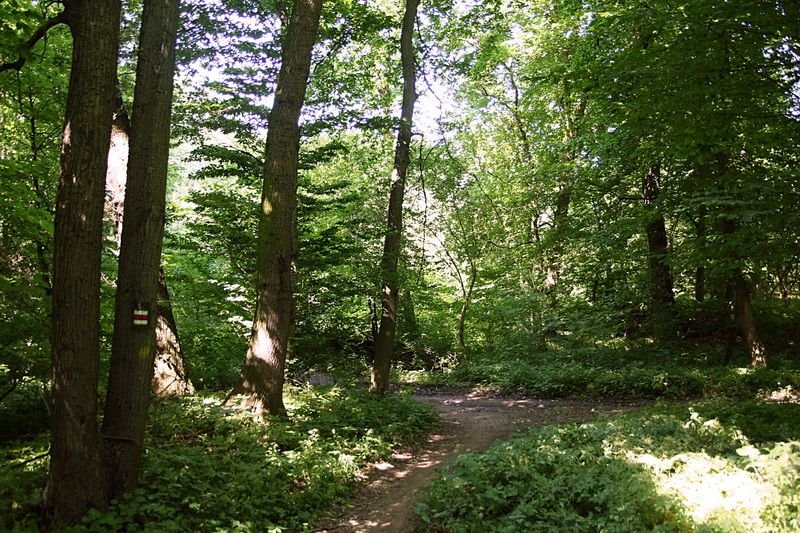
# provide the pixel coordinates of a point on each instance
(557, 248)
(739, 287)
(747, 325)
(169, 371)
(573, 115)
(741, 303)
(700, 272)
(117, 172)
(75, 484)
(466, 293)
(262, 374)
(133, 348)
(661, 294)
(384, 345)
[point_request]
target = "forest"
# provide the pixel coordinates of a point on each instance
(258, 255)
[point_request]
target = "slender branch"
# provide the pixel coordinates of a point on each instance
(10, 390)
(32, 459)
(28, 45)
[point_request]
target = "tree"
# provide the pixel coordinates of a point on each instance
(661, 294)
(384, 344)
(31, 120)
(169, 372)
(75, 483)
(133, 348)
(262, 374)
(170, 377)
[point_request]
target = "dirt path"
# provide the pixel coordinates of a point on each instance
(470, 422)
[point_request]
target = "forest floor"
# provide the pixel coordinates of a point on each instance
(471, 421)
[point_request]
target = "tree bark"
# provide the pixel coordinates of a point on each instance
(133, 348)
(573, 115)
(169, 373)
(117, 171)
(741, 303)
(557, 248)
(747, 325)
(700, 272)
(466, 293)
(75, 484)
(262, 374)
(384, 345)
(661, 295)
(739, 287)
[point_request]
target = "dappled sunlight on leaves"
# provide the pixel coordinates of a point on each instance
(634, 472)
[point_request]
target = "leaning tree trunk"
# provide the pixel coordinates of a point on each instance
(169, 373)
(133, 347)
(661, 295)
(384, 344)
(262, 374)
(75, 483)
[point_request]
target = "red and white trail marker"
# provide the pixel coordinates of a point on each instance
(141, 317)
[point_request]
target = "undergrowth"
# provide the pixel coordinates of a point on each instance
(210, 468)
(619, 369)
(659, 470)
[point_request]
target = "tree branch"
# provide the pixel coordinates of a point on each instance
(28, 45)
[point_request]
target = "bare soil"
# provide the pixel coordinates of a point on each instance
(471, 422)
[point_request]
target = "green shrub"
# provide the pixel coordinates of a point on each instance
(643, 472)
(212, 468)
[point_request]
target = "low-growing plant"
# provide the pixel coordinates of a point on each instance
(645, 370)
(212, 468)
(649, 471)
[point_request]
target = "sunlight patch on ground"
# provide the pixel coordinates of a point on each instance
(714, 491)
(783, 394)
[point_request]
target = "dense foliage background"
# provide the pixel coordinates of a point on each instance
(596, 188)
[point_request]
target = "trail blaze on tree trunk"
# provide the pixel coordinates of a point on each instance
(384, 344)
(661, 294)
(169, 371)
(75, 483)
(262, 374)
(133, 348)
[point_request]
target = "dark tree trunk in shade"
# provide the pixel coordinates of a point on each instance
(574, 112)
(739, 294)
(466, 293)
(262, 374)
(700, 272)
(747, 325)
(133, 348)
(661, 294)
(75, 483)
(560, 217)
(384, 344)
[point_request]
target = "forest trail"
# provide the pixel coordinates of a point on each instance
(471, 421)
